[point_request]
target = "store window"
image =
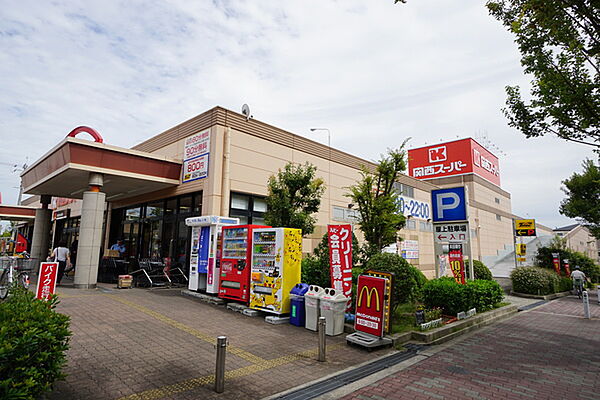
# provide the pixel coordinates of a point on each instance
(411, 224)
(426, 226)
(498, 217)
(497, 200)
(404, 190)
(248, 208)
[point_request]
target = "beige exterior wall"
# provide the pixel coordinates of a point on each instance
(579, 239)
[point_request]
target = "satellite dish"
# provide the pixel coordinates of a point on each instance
(246, 111)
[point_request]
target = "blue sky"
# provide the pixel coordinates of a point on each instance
(431, 70)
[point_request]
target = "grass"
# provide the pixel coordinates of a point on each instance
(403, 319)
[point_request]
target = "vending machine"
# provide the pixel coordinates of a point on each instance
(236, 256)
(276, 258)
(205, 251)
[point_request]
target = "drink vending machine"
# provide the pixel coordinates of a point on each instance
(276, 258)
(205, 251)
(236, 257)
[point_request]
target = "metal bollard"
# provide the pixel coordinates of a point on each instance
(321, 332)
(598, 293)
(586, 305)
(220, 368)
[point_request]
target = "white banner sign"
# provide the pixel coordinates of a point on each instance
(451, 233)
(196, 168)
(196, 149)
(409, 249)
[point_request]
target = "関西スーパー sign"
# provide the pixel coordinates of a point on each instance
(370, 307)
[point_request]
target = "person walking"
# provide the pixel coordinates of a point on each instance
(62, 255)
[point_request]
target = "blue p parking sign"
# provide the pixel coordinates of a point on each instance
(449, 204)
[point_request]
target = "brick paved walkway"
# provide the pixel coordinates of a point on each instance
(139, 344)
(549, 352)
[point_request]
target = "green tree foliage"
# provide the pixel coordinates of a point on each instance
(33, 342)
(559, 41)
(316, 269)
(294, 196)
(544, 259)
(408, 280)
(379, 216)
(583, 197)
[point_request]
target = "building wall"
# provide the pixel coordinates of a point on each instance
(580, 239)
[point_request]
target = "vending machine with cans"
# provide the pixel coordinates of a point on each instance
(276, 258)
(236, 256)
(205, 251)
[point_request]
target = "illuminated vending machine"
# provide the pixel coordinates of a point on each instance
(236, 256)
(205, 251)
(276, 257)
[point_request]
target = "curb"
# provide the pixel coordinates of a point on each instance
(540, 297)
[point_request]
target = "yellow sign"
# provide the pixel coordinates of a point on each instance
(521, 259)
(524, 223)
(521, 249)
(369, 296)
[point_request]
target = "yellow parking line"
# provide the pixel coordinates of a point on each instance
(193, 383)
(194, 332)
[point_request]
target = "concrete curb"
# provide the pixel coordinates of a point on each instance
(540, 297)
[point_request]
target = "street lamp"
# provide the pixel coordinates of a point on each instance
(329, 166)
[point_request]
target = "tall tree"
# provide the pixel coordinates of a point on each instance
(377, 200)
(559, 41)
(583, 197)
(294, 196)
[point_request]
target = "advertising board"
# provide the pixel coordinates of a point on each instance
(452, 232)
(340, 257)
(457, 263)
(196, 150)
(409, 249)
(370, 307)
(458, 157)
(525, 227)
(46, 284)
(414, 208)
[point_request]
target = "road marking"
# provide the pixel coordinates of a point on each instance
(194, 332)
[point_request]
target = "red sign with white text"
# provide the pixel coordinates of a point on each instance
(370, 305)
(457, 263)
(458, 157)
(340, 257)
(46, 280)
(556, 262)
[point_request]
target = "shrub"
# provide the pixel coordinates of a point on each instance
(533, 280)
(408, 280)
(588, 267)
(453, 297)
(33, 341)
(566, 284)
(481, 271)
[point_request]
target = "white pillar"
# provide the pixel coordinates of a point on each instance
(41, 231)
(90, 234)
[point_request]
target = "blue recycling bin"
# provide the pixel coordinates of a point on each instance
(297, 312)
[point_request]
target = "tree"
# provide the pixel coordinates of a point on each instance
(559, 41)
(294, 195)
(583, 197)
(379, 216)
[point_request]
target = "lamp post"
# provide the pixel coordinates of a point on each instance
(329, 167)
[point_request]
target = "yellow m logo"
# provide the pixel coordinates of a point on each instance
(370, 293)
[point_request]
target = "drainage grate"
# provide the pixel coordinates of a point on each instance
(343, 379)
(532, 305)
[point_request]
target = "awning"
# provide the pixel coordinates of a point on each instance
(16, 213)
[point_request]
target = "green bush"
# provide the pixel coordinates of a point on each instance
(480, 270)
(565, 284)
(33, 341)
(544, 259)
(408, 280)
(534, 280)
(453, 297)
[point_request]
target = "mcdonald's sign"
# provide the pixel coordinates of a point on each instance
(370, 307)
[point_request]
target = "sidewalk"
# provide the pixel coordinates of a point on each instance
(548, 352)
(140, 344)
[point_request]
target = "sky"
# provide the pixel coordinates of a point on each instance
(372, 72)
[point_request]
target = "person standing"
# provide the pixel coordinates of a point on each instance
(120, 247)
(62, 255)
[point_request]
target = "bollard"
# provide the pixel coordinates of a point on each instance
(321, 331)
(586, 305)
(598, 293)
(220, 368)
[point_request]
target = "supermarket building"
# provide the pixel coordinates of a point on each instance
(218, 163)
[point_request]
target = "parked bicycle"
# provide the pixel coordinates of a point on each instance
(12, 274)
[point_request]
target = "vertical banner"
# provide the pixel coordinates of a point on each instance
(46, 280)
(203, 248)
(556, 262)
(567, 267)
(340, 257)
(457, 263)
(370, 307)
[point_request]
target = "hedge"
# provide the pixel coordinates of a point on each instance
(33, 341)
(588, 267)
(453, 297)
(480, 270)
(540, 281)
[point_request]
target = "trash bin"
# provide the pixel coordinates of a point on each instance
(297, 312)
(311, 306)
(333, 308)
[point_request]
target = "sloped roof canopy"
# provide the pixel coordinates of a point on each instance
(64, 171)
(16, 213)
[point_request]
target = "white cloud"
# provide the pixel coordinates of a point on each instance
(430, 70)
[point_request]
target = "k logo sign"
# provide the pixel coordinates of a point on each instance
(437, 154)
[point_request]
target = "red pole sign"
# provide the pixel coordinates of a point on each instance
(370, 305)
(457, 264)
(340, 257)
(46, 280)
(556, 262)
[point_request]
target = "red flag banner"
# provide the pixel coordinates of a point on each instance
(46, 280)
(457, 263)
(340, 257)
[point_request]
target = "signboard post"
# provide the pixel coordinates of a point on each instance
(46, 284)
(522, 228)
(556, 262)
(370, 307)
(451, 226)
(340, 257)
